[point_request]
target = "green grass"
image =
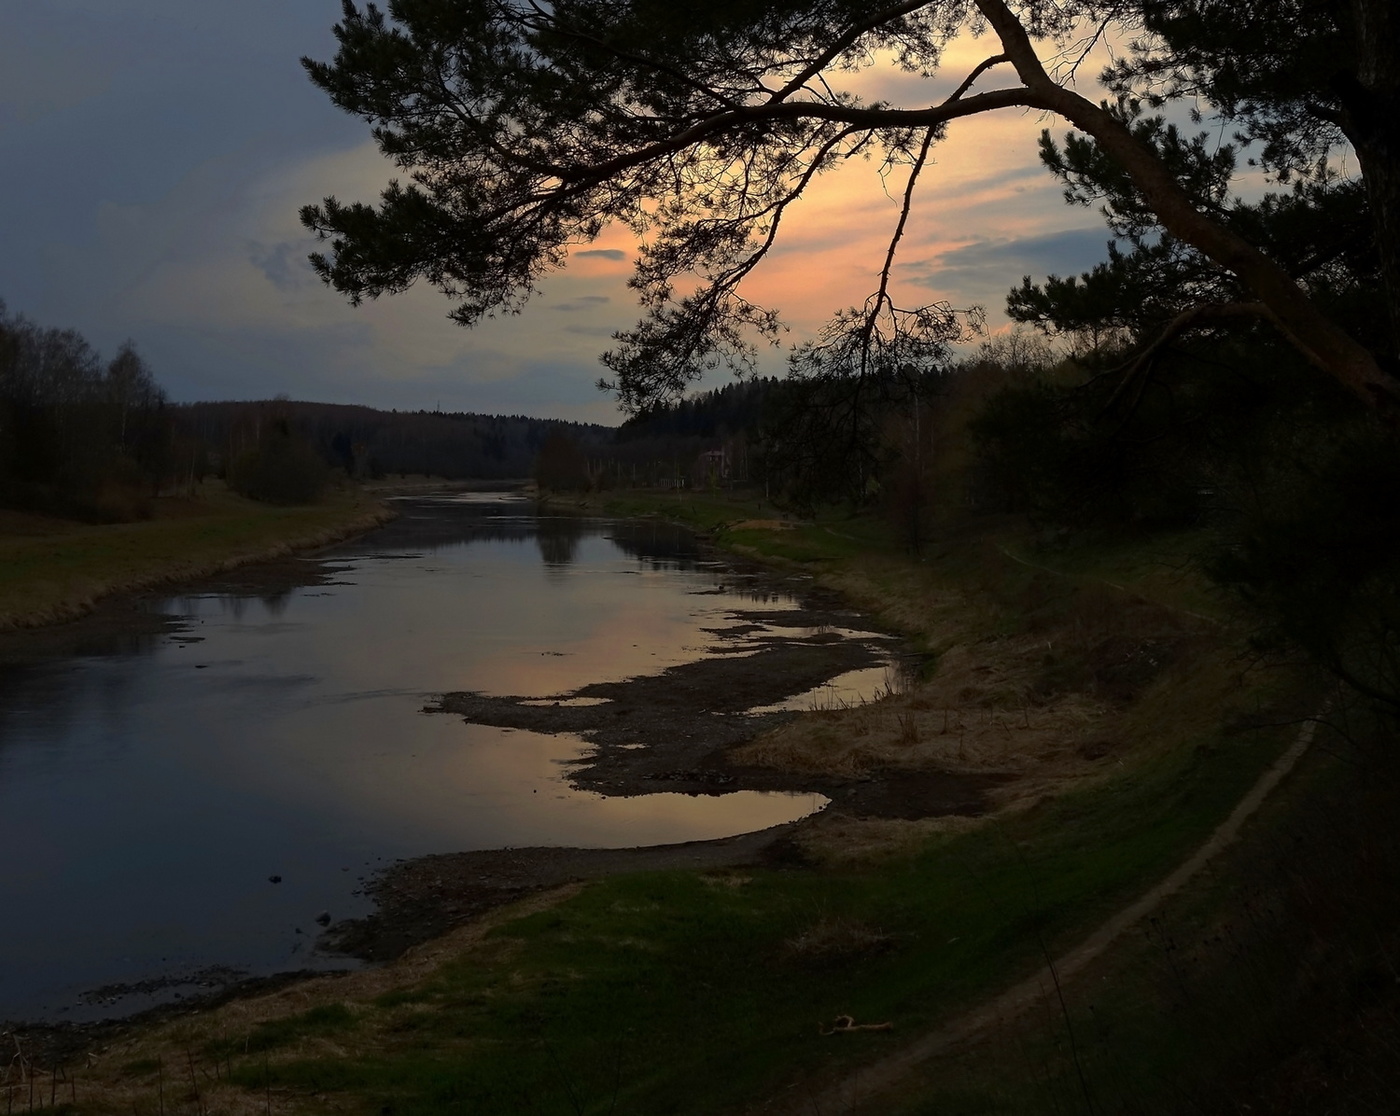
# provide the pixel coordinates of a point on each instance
(325, 1019)
(51, 569)
(1161, 568)
(702, 511)
(678, 993)
(832, 537)
(1281, 955)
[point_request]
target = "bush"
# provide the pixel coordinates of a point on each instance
(1150, 446)
(1314, 546)
(282, 469)
(561, 466)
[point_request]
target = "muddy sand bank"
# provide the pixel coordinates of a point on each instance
(671, 731)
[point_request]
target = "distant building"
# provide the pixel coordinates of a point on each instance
(711, 468)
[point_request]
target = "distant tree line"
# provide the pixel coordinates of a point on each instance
(805, 440)
(666, 444)
(705, 414)
(79, 435)
(369, 443)
(93, 438)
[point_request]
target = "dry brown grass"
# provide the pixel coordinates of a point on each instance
(912, 597)
(834, 939)
(1041, 688)
(975, 715)
(835, 840)
(763, 525)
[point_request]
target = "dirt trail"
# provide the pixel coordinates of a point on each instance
(860, 1092)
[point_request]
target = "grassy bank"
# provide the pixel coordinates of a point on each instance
(1268, 986)
(53, 570)
(1123, 728)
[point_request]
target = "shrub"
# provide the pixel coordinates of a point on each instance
(561, 466)
(1315, 547)
(281, 469)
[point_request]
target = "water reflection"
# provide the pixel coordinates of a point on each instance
(156, 778)
(480, 517)
(276, 603)
(661, 545)
(558, 538)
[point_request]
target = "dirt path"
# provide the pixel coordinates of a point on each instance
(860, 1092)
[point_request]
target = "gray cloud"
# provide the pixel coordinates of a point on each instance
(129, 99)
(614, 254)
(284, 264)
(1062, 253)
(581, 302)
(985, 270)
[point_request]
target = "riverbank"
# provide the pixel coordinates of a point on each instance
(1101, 694)
(55, 570)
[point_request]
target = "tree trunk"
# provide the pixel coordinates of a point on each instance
(1372, 107)
(1305, 325)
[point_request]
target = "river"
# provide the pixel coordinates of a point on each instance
(179, 810)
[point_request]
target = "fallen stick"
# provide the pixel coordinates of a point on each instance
(845, 1024)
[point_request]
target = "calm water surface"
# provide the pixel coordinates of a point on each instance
(147, 797)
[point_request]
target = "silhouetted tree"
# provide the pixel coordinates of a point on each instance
(527, 128)
(77, 437)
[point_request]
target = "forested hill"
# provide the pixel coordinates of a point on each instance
(705, 414)
(370, 442)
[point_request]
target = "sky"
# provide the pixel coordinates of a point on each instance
(154, 155)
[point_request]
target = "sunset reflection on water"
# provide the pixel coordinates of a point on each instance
(156, 789)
